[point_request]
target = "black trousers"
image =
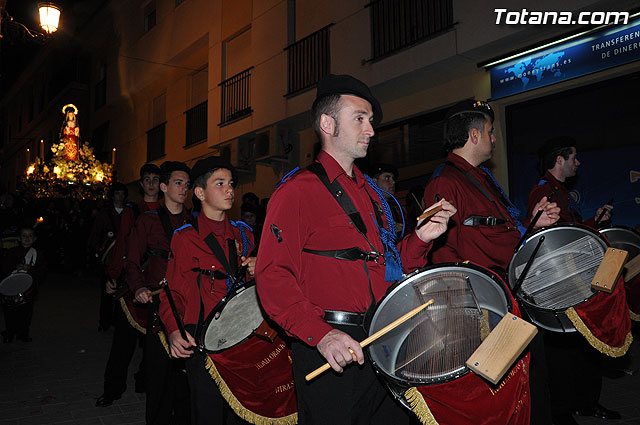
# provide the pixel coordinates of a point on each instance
(208, 407)
(123, 345)
(166, 382)
(354, 397)
(575, 372)
(108, 308)
(17, 319)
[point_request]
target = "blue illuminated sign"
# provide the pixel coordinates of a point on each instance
(605, 49)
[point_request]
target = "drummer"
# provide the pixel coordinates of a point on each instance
(213, 181)
(299, 279)
(575, 370)
(22, 258)
(150, 240)
(488, 226)
(558, 162)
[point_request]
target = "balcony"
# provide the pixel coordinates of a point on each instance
(236, 97)
(397, 24)
(309, 60)
(196, 124)
(155, 142)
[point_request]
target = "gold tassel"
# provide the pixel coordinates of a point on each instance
(238, 408)
(163, 341)
(634, 316)
(132, 322)
(419, 406)
(595, 342)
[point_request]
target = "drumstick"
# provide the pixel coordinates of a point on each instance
(375, 336)
(174, 309)
(604, 211)
(156, 292)
(429, 213)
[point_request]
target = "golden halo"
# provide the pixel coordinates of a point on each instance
(70, 105)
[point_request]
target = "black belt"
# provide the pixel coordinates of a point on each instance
(343, 318)
(350, 254)
(478, 220)
(162, 253)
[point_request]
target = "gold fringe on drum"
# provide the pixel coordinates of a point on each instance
(595, 342)
(132, 322)
(634, 316)
(238, 408)
(419, 406)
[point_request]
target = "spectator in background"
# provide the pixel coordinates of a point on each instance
(385, 176)
(249, 214)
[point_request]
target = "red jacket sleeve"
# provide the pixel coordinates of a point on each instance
(182, 287)
(116, 264)
(137, 246)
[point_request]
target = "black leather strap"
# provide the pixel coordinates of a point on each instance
(349, 254)
(343, 318)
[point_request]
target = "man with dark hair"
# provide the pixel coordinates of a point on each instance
(386, 176)
(485, 231)
(100, 243)
(126, 335)
(145, 265)
(303, 282)
(575, 370)
(558, 162)
(209, 256)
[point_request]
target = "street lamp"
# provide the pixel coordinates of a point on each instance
(49, 19)
(49, 16)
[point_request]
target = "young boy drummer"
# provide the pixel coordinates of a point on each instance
(198, 278)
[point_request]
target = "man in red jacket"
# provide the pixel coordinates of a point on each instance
(487, 227)
(305, 286)
(558, 162)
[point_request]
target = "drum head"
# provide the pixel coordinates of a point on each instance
(561, 274)
(623, 238)
(239, 318)
(15, 284)
(432, 347)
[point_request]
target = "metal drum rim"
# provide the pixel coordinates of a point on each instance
(488, 273)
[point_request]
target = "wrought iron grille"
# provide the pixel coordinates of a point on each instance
(396, 24)
(236, 97)
(309, 60)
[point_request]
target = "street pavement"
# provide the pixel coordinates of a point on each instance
(56, 378)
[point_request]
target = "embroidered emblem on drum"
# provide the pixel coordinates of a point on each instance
(276, 231)
(221, 342)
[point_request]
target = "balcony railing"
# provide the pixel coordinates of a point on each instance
(196, 124)
(236, 97)
(155, 142)
(309, 60)
(396, 24)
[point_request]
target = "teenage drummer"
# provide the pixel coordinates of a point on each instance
(208, 263)
(145, 266)
(575, 370)
(487, 227)
(24, 258)
(317, 273)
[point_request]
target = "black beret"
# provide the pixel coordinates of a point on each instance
(212, 163)
(378, 169)
(346, 84)
(555, 145)
(470, 105)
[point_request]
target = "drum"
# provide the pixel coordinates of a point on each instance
(17, 289)
(623, 238)
(561, 274)
(239, 318)
(433, 346)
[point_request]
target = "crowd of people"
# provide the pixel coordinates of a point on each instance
(319, 257)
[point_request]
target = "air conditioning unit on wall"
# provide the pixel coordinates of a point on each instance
(271, 146)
